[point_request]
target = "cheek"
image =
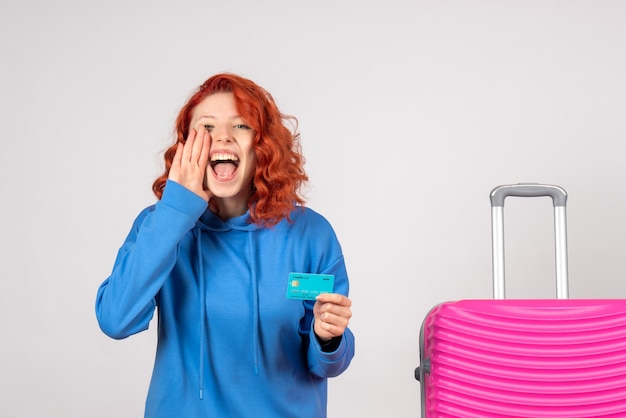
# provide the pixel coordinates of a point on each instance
(253, 163)
(249, 173)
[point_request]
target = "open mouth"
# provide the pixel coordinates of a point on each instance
(224, 165)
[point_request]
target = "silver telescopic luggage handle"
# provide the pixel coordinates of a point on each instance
(559, 200)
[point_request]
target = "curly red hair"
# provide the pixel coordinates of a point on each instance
(279, 172)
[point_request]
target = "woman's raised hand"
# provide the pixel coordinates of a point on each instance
(190, 163)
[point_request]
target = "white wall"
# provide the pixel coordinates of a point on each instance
(410, 111)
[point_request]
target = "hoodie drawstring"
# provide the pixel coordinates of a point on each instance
(202, 312)
(255, 303)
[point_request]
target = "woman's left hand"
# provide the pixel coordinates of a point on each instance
(332, 315)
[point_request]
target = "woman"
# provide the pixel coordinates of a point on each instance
(214, 256)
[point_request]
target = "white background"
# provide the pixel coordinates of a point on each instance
(410, 112)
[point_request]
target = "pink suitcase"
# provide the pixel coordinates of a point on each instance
(524, 358)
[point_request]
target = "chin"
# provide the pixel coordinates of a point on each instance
(230, 189)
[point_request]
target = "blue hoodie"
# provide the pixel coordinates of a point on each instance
(230, 344)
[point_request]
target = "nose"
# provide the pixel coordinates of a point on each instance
(221, 134)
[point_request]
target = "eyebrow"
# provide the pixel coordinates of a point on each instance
(213, 117)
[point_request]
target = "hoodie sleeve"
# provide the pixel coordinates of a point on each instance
(126, 300)
(330, 364)
(323, 364)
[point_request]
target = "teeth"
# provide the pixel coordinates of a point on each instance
(224, 157)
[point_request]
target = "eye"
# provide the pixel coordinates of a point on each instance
(209, 128)
(242, 126)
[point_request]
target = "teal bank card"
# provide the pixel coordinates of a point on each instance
(308, 286)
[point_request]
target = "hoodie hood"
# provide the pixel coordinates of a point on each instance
(209, 221)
